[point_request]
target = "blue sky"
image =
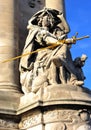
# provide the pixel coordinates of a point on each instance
(78, 14)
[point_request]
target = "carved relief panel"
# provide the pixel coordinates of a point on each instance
(57, 119)
(8, 125)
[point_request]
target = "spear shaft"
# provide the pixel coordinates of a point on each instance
(48, 47)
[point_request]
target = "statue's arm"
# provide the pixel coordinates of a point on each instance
(47, 37)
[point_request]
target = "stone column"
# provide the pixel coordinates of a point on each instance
(56, 4)
(8, 45)
(27, 8)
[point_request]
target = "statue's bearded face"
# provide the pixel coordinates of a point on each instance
(46, 21)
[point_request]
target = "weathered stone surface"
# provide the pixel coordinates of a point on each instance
(27, 8)
(9, 75)
(34, 118)
(56, 118)
(8, 125)
(58, 4)
(67, 94)
(51, 95)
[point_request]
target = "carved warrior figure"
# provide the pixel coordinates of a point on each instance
(46, 28)
(79, 63)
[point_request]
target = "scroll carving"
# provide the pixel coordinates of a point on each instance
(8, 124)
(30, 121)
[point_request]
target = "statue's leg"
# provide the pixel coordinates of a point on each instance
(62, 75)
(61, 61)
(26, 81)
(53, 74)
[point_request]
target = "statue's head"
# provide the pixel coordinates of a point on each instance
(45, 17)
(80, 61)
(46, 21)
(84, 57)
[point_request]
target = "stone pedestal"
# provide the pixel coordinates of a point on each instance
(56, 119)
(55, 107)
(58, 107)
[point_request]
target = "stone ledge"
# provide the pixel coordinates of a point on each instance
(17, 103)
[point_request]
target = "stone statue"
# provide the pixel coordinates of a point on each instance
(48, 64)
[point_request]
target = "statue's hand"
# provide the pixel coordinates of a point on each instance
(60, 15)
(74, 40)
